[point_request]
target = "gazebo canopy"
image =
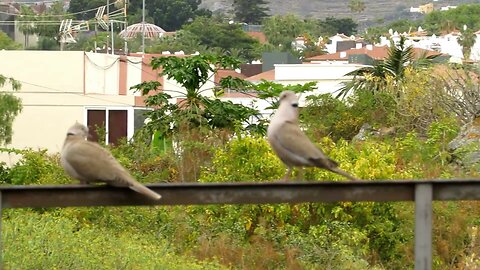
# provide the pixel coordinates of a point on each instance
(151, 30)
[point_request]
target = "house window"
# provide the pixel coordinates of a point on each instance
(114, 123)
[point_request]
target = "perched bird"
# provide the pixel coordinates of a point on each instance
(291, 145)
(89, 162)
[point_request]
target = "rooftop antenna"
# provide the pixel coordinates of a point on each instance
(66, 31)
(104, 19)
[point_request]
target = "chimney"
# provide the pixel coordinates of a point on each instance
(369, 47)
(343, 54)
(358, 45)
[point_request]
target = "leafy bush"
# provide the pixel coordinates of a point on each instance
(35, 167)
(45, 241)
(300, 236)
(244, 159)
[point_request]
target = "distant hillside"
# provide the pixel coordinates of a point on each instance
(375, 11)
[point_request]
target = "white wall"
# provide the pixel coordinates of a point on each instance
(44, 71)
(329, 76)
(52, 94)
(134, 74)
(102, 73)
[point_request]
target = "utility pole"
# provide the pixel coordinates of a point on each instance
(108, 20)
(125, 50)
(143, 27)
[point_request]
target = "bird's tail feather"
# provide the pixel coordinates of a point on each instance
(341, 172)
(145, 191)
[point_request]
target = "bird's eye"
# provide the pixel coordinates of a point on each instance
(295, 105)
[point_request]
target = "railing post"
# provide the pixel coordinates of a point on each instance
(423, 226)
(1, 240)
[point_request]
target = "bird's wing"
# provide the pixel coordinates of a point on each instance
(293, 140)
(93, 162)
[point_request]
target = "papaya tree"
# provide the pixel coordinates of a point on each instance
(194, 108)
(10, 107)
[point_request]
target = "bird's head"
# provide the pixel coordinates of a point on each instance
(288, 98)
(78, 130)
(288, 107)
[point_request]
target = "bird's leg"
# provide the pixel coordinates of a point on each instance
(287, 175)
(301, 174)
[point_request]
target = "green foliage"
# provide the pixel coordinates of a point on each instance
(338, 235)
(79, 6)
(27, 27)
(282, 30)
(244, 159)
(171, 15)
(32, 21)
(214, 33)
(182, 41)
(195, 110)
(47, 44)
(52, 241)
(445, 21)
(10, 107)
(402, 92)
(250, 11)
(333, 26)
(356, 6)
(6, 43)
(338, 119)
(299, 236)
(375, 78)
(100, 39)
(467, 40)
(35, 167)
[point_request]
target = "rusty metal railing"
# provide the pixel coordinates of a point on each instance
(422, 192)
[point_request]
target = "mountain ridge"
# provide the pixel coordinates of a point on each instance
(375, 10)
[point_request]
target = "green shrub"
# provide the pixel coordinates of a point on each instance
(35, 167)
(44, 241)
(244, 159)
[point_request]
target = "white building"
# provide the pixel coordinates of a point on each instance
(61, 87)
(328, 76)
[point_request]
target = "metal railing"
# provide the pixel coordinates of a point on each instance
(421, 192)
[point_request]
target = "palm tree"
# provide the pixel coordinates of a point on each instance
(374, 78)
(467, 40)
(27, 27)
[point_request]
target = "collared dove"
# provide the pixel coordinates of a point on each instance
(89, 162)
(291, 145)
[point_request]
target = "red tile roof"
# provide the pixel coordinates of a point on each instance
(267, 75)
(377, 53)
(222, 73)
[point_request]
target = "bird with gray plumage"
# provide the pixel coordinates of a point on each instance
(89, 163)
(291, 145)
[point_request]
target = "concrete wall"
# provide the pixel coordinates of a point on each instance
(44, 71)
